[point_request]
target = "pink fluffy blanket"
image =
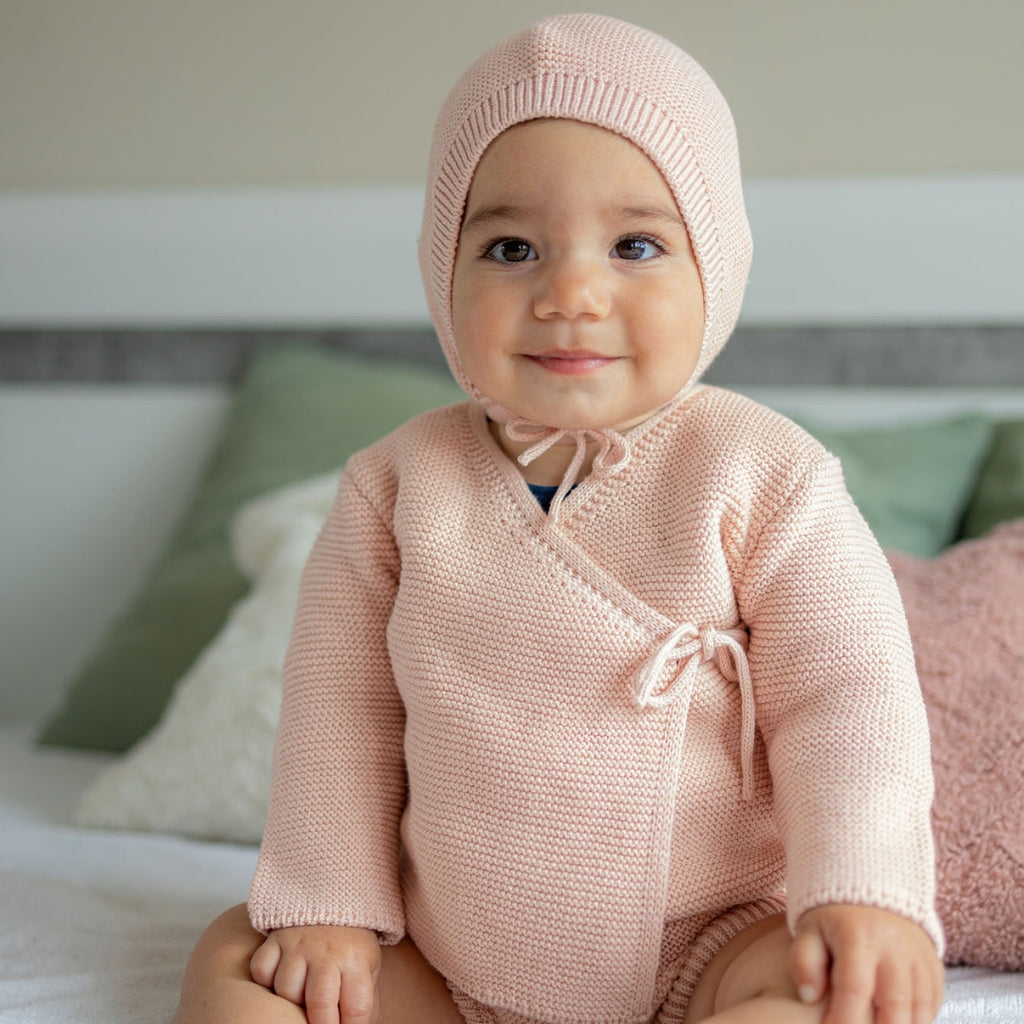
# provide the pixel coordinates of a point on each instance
(966, 614)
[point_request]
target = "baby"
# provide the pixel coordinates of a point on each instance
(600, 705)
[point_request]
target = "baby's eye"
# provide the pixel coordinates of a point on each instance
(510, 250)
(637, 247)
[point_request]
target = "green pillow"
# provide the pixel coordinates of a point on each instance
(913, 482)
(299, 412)
(999, 495)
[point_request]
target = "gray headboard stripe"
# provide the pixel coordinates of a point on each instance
(949, 356)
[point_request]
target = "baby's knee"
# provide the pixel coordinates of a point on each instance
(228, 938)
(757, 984)
(759, 969)
(217, 974)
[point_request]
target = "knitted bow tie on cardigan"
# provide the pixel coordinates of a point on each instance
(612, 456)
(693, 646)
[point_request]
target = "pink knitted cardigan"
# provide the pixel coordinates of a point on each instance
(530, 745)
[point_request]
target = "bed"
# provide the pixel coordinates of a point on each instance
(162, 488)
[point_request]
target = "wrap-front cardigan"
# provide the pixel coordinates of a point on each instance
(535, 745)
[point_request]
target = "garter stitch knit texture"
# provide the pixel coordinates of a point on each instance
(462, 756)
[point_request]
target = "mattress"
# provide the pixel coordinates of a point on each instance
(97, 926)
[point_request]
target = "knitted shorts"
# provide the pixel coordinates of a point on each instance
(686, 953)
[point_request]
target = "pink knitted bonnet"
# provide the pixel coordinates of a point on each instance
(606, 72)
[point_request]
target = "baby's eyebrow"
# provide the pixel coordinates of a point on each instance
(650, 213)
(486, 214)
(504, 212)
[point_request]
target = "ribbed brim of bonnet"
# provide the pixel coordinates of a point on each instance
(606, 72)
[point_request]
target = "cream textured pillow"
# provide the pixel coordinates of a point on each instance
(966, 614)
(204, 771)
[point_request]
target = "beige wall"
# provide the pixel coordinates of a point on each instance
(124, 93)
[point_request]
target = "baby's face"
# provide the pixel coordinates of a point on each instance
(576, 298)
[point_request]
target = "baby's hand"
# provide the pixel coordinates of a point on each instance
(331, 971)
(874, 965)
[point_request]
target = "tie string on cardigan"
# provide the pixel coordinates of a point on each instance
(693, 646)
(612, 455)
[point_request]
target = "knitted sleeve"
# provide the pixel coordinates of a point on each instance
(331, 846)
(839, 706)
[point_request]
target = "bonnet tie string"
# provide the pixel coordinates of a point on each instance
(612, 455)
(693, 647)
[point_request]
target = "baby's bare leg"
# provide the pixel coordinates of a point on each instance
(749, 982)
(219, 988)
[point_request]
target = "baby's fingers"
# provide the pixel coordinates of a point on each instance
(290, 979)
(895, 998)
(340, 993)
(809, 964)
(323, 989)
(908, 994)
(358, 997)
(852, 990)
(264, 963)
(331, 971)
(929, 989)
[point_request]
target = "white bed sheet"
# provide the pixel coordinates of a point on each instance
(97, 926)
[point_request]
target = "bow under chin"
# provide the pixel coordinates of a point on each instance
(613, 453)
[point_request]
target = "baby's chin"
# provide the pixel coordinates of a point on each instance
(559, 421)
(596, 424)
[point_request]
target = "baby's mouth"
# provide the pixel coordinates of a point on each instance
(576, 361)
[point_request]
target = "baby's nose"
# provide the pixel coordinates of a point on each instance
(570, 288)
